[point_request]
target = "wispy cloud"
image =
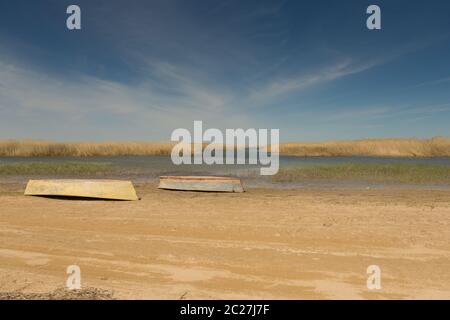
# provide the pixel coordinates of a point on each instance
(183, 89)
(168, 99)
(286, 86)
(32, 91)
(433, 82)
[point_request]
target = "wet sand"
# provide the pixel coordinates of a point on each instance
(263, 244)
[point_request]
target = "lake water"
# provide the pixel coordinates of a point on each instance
(149, 168)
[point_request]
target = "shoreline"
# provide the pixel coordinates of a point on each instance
(293, 172)
(228, 246)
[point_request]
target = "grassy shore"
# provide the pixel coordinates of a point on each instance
(435, 147)
(368, 172)
(56, 168)
(400, 173)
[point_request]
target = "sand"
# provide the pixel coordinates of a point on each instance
(263, 244)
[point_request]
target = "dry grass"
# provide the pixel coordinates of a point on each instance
(435, 147)
(34, 148)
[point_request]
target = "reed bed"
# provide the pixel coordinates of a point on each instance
(34, 148)
(435, 147)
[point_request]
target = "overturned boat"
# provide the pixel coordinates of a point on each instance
(201, 183)
(79, 188)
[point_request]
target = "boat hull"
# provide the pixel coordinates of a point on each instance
(203, 183)
(97, 189)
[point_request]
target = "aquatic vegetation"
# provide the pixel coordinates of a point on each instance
(61, 168)
(399, 172)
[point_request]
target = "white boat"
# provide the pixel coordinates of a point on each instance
(201, 183)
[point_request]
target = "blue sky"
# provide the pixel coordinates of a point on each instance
(140, 69)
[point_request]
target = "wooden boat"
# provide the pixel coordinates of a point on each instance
(98, 189)
(201, 183)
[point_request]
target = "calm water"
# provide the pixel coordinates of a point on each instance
(149, 168)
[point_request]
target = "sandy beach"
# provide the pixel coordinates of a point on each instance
(262, 244)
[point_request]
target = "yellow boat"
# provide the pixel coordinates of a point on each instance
(97, 189)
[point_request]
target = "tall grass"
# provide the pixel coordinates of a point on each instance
(34, 148)
(435, 147)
